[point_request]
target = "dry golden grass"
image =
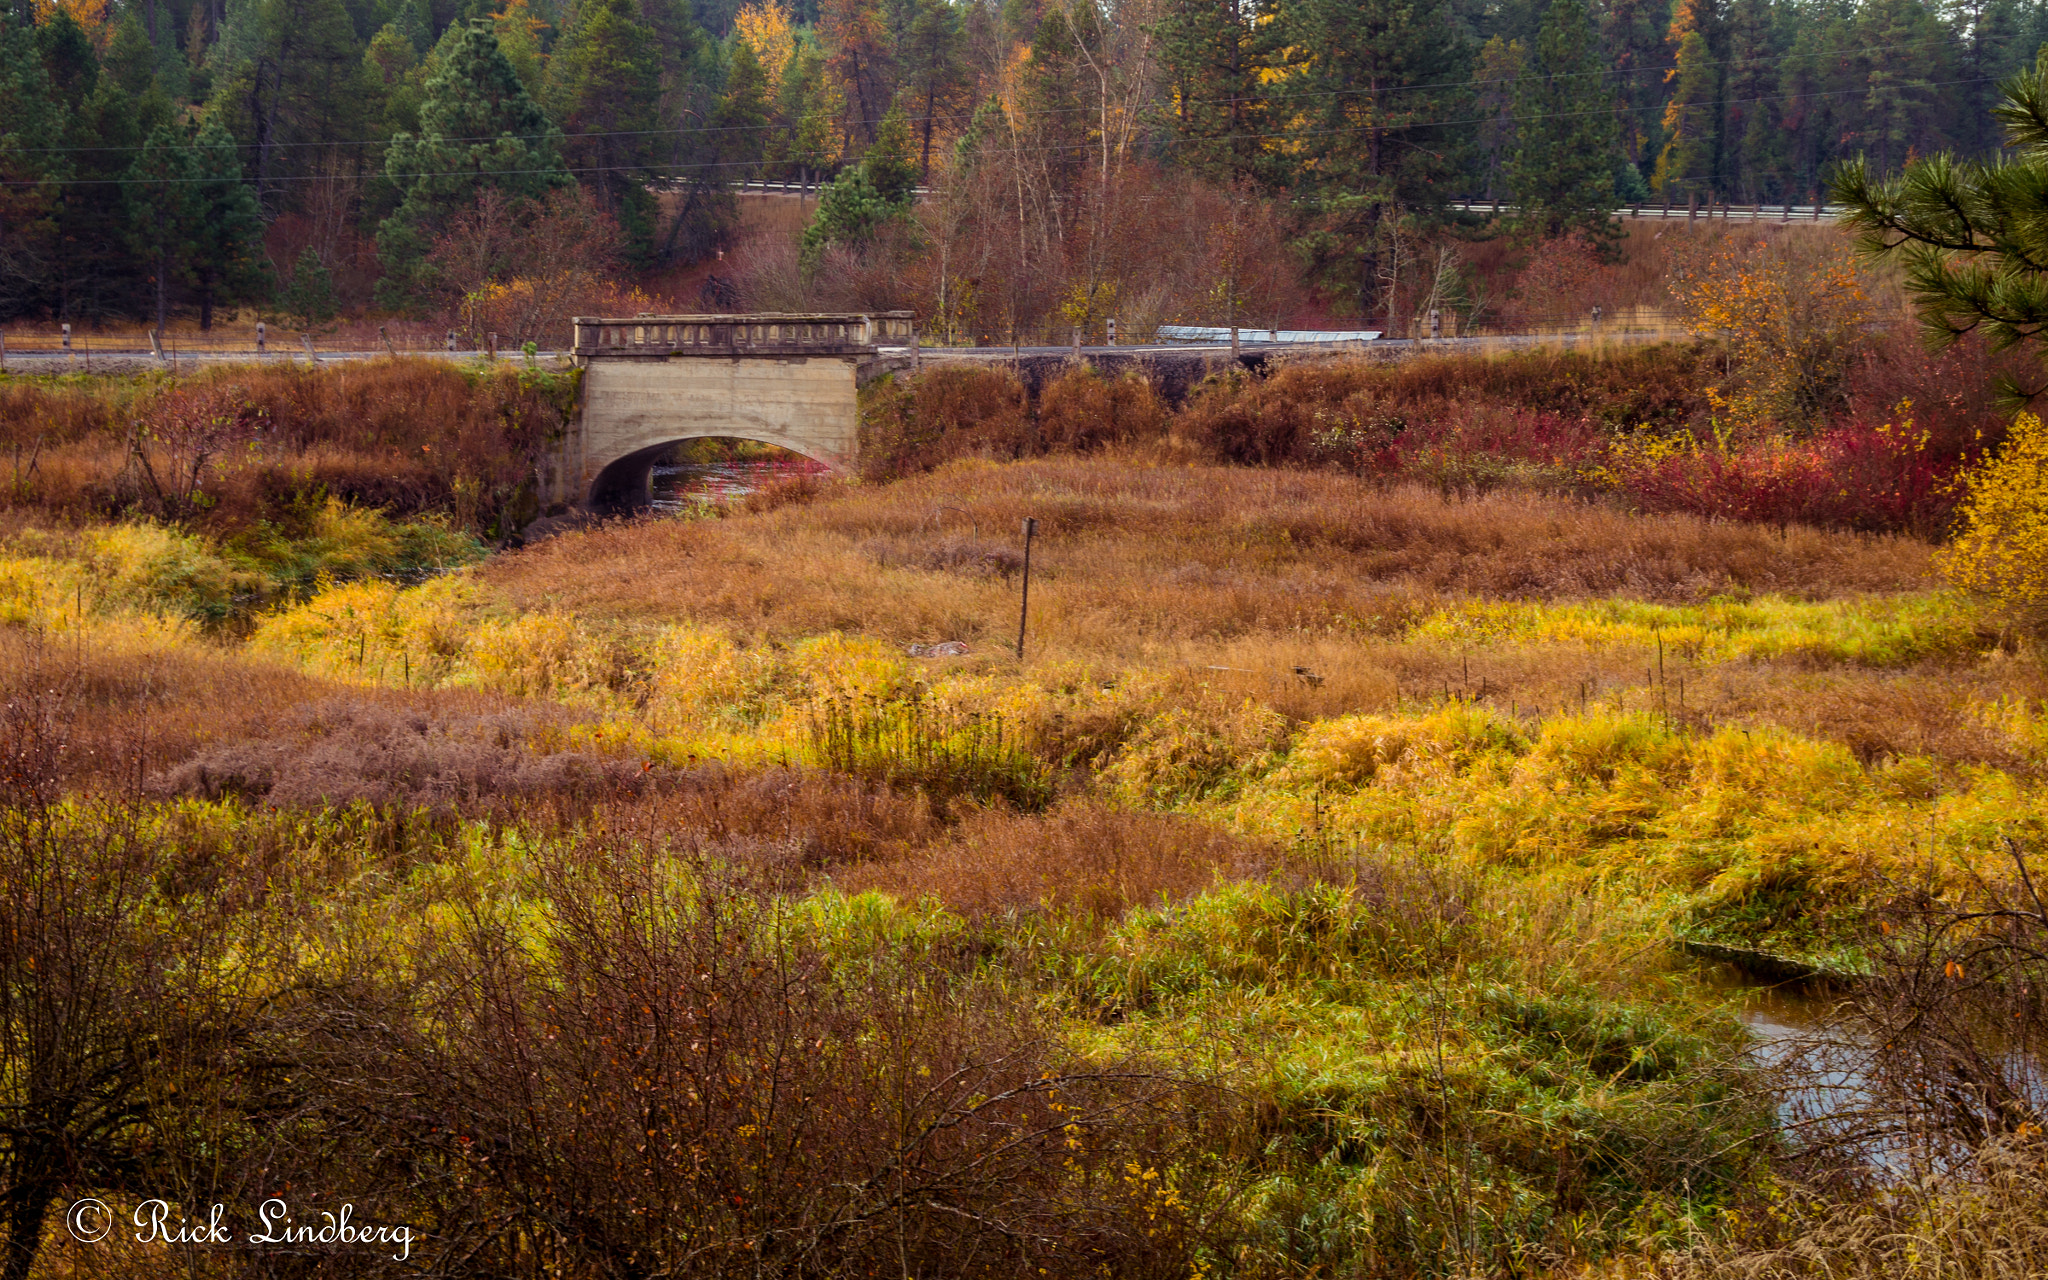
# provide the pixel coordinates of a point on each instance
(1081, 858)
(1222, 582)
(1134, 558)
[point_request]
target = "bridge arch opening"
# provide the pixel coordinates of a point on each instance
(673, 474)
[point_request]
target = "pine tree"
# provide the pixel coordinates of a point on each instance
(1692, 119)
(416, 23)
(227, 263)
(31, 123)
(742, 120)
(1968, 233)
(478, 128)
(850, 210)
(1215, 53)
(1501, 63)
(308, 301)
(604, 85)
(931, 56)
(1904, 50)
(162, 217)
(1563, 170)
(1633, 33)
(889, 167)
(1752, 152)
(1378, 87)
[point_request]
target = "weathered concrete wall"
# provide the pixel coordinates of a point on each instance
(632, 408)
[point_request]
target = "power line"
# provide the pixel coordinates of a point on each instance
(1282, 97)
(672, 170)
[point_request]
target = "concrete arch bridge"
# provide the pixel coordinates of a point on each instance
(651, 382)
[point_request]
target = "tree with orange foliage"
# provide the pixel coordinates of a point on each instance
(1793, 317)
(90, 14)
(859, 64)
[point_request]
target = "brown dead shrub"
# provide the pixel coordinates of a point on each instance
(1080, 411)
(1080, 858)
(684, 1053)
(948, 413)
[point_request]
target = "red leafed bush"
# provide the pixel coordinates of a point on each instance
(1887, 475)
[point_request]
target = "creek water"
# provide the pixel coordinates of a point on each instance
(685, 486)
(1823, 1060)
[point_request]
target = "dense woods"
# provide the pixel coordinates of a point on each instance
(164, 160)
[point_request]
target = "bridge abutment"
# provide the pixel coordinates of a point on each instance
(652, 382)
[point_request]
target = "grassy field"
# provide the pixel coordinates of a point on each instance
(1310, 901)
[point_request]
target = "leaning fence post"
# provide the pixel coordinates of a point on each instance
(1024, 603)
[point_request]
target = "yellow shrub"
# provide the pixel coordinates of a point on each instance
(153, 567)
(840, 666)
(531, 655)
(2001, 545)
(376, 631)
(698, 674)
(1184, 754)
(1353, 749)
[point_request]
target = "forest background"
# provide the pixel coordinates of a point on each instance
(1013, 169)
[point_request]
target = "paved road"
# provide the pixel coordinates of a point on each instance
(137, 359)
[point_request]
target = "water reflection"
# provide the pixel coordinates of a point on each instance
(689, 484)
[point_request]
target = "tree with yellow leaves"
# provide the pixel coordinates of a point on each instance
(2001, 544)
(1794, 318)
(765, 27)
(90, 14)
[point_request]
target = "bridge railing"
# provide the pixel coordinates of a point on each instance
(765, 333)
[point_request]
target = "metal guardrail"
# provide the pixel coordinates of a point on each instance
(1690, 212)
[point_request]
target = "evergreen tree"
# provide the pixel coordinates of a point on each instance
(889, 167)
(604, 85)
(416, 23)
(478, 128)
(850, 211)
(1968, 233)
(308, 301)
(931, 57)
(1501, 62)
(1692, 120)
(1633, 33)
(742, 119)
(227, 265)
(1904, 55)
(96, 273)
(1215, 53)
(68, 57)
(130, 59)
(1752, 150)
(161, 215)
(1563, 169)
(31, 122)
(1381, 85)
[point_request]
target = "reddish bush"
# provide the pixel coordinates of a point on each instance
(1881, 476)
(946, 414)
(407, 436)
(1079, 411)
